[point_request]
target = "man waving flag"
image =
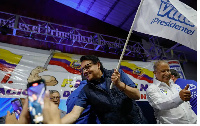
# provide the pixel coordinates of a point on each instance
(170, 19)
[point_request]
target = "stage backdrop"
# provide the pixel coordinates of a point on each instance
(20, 65)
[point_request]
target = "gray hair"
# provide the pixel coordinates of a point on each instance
(156, 64)
(53, 91)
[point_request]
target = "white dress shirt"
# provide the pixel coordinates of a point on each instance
(167, 104)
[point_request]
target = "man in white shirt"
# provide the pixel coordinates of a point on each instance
(170, 102)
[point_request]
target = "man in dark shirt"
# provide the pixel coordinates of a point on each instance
(88, 116)
(116, 105)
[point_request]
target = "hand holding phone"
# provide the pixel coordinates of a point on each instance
(36, 92)
(10, 118)
(17, 107)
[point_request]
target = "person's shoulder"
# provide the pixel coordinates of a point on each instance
(85, 88)
(112, 70)
(151, 86)
(121, 71)
(192, 81)
(176, 85)
(106, 71)
(180, 80)
(83, 83)
(76, 92)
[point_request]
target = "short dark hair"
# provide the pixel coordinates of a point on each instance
(175, 73)
(94, 60)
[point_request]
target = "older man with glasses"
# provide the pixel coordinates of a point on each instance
(55, 97)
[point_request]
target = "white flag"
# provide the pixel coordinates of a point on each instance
(161, 18)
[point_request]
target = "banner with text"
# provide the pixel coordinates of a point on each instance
(161, 18)
(18, 67)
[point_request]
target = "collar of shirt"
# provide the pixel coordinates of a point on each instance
(97, 81)
(102, 83)
(158, 83)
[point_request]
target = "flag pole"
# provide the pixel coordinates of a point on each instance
(49, 58)
(129, 35)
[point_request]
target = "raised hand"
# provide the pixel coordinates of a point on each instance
(10, 118)
(25, 115)
(51, 113)
(115, 78)
(184, 94)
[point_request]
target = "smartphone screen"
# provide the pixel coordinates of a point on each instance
(17, 107)
(36, 92)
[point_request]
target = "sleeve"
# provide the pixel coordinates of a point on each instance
(82, 99)
(125, 79)
(74, 96)
(156, 99)
(71, 100)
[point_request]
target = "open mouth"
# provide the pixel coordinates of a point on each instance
(56, 103)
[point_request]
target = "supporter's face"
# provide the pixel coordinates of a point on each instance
(90, 70)
(55, 97)
(163, 73)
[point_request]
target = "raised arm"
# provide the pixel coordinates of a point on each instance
(164, 103)
(73, 115)
(123, 84)
(52, 113)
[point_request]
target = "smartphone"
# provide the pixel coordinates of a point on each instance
(17, 107)
(36, 92)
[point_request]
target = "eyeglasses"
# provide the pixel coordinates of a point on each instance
(55, 98)
(86, 67)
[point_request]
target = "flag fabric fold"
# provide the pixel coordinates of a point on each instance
(8, 60)
(187, 11)
(66, 62)
(161, 18)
